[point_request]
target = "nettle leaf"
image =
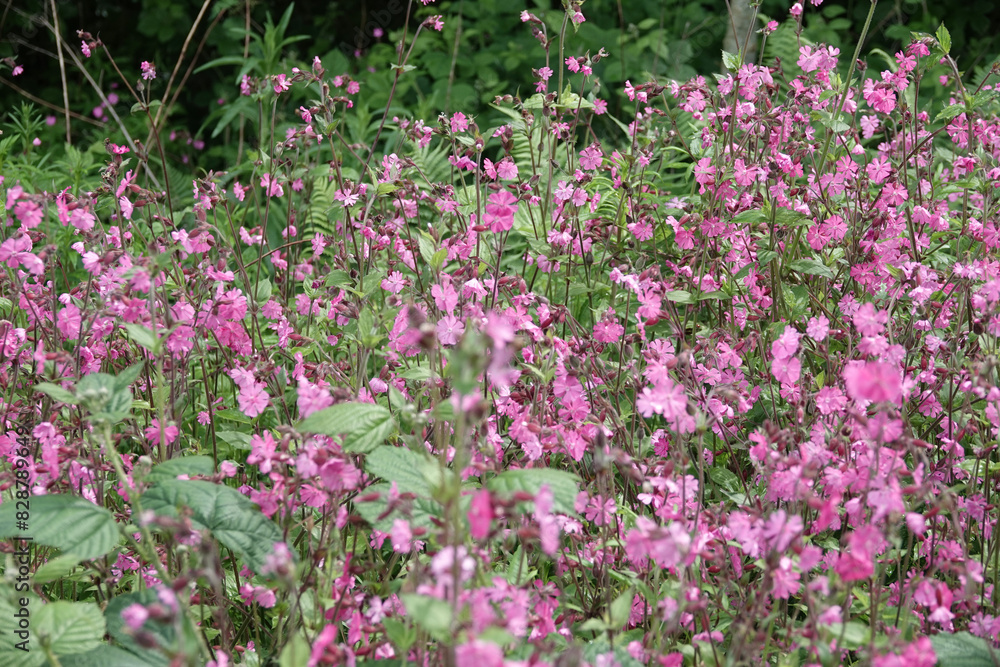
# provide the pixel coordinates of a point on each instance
(365, 425)
(9, 624)
(69, 627)
(231, 517)
(564, 485)
(110, 656)
(71, 524)
(963, 650)
(400, 465)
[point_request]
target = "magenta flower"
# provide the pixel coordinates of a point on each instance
(500, 211)
(148, 70)
(873, 381)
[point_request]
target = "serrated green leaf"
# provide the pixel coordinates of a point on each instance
(69, 627)
(400, 465)
(109, 656)
(963, 650)
(943, 38)
(365, 425)
(231, 517)
(71, 524)
(950, 112)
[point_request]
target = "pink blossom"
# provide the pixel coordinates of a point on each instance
(873, 381)
(500, 211)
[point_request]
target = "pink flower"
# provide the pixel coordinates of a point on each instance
(85, 48)
(873, 381)
(17, 71)
(450, 329)
(500, 211)
(273, 186)
(148, 70)
(169, 434)
(480, 515)
(135, 616)
(253, 399)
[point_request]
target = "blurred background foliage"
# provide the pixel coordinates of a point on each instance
(484, 51)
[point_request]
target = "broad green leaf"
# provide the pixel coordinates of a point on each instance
(431, 614)
(69, 627)
(164, 634)
(963, 650)
(103, 396)
(231, 517)
(564, 485)
(680, 296)
(950, 112)
(365, 425)
(185, 465)
(110, 656)
(812, 267)
(56, 393)
(10, 654)
(732, 61)
(620, 609)
(943, 38)
(400, 465)
(263, 291)
(143, 336)
(296, 653)
(69, 523)
(56, 568)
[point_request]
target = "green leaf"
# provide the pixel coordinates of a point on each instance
(263, 291)
(185, 465)
(143, 336)
(400, 465)
(10, 655)
(69, 627)
(943, 38)
(564, 485)
(101, 394)
(69, 523)
(732, 61)
(110, 656)
(680, 296)
(56, 392)
(401, 636)
(963, 650)
(365, 425)
(621, 608)
(231, 517)
(56, 568)
(812, 267)
(431, 614)
(296, 653)
(164, 635)
(950, 112)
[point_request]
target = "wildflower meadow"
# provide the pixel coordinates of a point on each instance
(643, 372)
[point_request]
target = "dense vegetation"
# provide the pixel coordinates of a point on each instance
(585, 359)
